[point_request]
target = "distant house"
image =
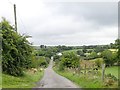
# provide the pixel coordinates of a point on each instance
(59, 54)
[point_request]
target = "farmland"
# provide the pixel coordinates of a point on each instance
(94, 66)
(88, 71)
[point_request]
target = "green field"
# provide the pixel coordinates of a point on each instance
(75, 50)
(110, 70)
(26, 81)
(113, 70)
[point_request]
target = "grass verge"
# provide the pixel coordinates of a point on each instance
(81, 81)
(84, 81)
(27, 81)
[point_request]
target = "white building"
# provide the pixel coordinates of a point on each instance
(59, 54)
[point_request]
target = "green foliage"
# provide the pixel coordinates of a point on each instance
(93, 55)
(89, 56)
(56, 57)
(70, 60)
(47, 52)
(63, 48)
(109, 57)
(89, 81)
(98, 48)
(111, 76)
(61, 66)
(117, 43)
(99, 62)
(80, 52)
(51, 51)
(40, 61)
(84, 50)
(114, 70)
(110, 80)
(16, 50)
(81, 80)
(112, 46)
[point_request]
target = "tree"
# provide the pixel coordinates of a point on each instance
(47, 52)
(99, 49)
(93, 55)
(70, 60)
(109, 57)
(80, 52)
(112, 46)
(16, 51)
(84, 50)
(99, 62)
(117, 43)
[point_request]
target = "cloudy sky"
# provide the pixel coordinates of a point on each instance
(65, 22)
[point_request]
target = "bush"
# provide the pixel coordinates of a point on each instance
(111, 76)
(69, 59)
(99, 62)
(56, 57)
(61, 66)
(109, 57)
(40, 62)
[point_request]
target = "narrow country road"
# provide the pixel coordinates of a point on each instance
(53, 80)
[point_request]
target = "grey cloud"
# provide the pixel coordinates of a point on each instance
(67, 23)
(103, 13)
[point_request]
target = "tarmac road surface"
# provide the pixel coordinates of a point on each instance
(52, 80)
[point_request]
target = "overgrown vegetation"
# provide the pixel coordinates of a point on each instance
(40, 61)
(109, 57)
(20, 66)
(90, 80)
(68, 60)
(16, 50)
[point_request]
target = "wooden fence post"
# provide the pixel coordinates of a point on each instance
(85, 70)
(103, 72)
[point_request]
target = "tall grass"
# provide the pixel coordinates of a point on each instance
(81, 80)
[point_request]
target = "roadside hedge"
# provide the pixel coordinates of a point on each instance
(16, 50)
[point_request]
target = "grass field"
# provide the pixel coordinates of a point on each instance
(26, 81)
(75, 51)
(113, 70)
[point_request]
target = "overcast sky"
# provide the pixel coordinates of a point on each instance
(63, 22)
